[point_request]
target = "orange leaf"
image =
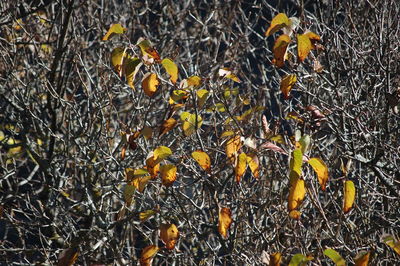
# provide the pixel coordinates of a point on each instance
(297, 193)
(169, 234)
(224, 221)
(171, 69)
(295, 214)
(241, 166)
(304, 46)
(254, 164)
(153, 167)
(279, 50)
(362, 259)
(278, 22)
(148, 254)
(349, 196)
(321, 170)
(275, 259)
(114, 29)
(287, 84)
(168, 174)
(232, 147)
(202, 159)
(167, 125)
(150, 83)
(140, 182)
(148, 50)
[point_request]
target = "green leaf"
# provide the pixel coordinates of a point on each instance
(335, 256)
(161, 153)
(299, 260)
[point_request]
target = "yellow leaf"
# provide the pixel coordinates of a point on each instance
(295, 214)
(117, 59)
(279, 50)
(148, 254)
(296, 161)
(140, 182)
(287, 84)
(202, 96)
(349, 195)
(168, 174)
(194, 81)
(254, 164)
(202, 159)
(299, 260)
(141, 172)
(297, 193)
(190, 125)
(275, 259)
(321, 170)
(150, 83)
(132, 66)
(227, 73)
(362, 259)
(129, 190)
(230, 91)
(143, 216)
(171, 69)
(161, 152)
(303, 46)
(152, 166)
(227, 133)
(232, 147)
(278, 22)
(114, 29)
(392, 242)
(335, 257)
(224, 221)
(313, 38)
(167, 125)
(148, 50)
(169, 234)
(241, 166)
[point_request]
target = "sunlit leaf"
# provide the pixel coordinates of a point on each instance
(278, 22)
(321, 170)
(153, 167)
(132, 66)
(305, 142)
(241, 166)
(148, 254)
(300, 260)
(232, 147)
(287, 84)
(169, 234)
(114, 30)
(202, 96)
(227, 134)
(202, 159)
(275, 259)
(295, 214)
(362, 259)
(140, 182)
(190, 125)
(168, 174)
(150, 83)
(171, 69)
(194, 81)
(227, 73)
(167, 125)
(148, 50)
(304, 46)
(313, 38)
(335, 257)
(224, 221)
(279, 50)
(392, 242)
(161, 152)
(254, 164)
(178, 96)
(296, 161)
(296, 194)
(349, 195)
(117, 59)
(144, 216)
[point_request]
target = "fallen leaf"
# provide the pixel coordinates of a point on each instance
(169, 234)
(224, 221)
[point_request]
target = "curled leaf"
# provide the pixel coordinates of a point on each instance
(224, 221)
(349, 195)
(171, 69)
(279, 50)
(150, 83)
(148, 50)
(295, 214)
(321, 170)
(114, 30)
(287, 84)
(169, 234)
(278, 22)
(254, 164)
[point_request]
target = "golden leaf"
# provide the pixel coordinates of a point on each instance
(349, 196)
(150, 83)
(279, 50)
(304, 46)
(171, 69)
(168, 174)
(278, 22)
(114, 29)
(321, 170)
(169, 234)
(202, 159)
(224, 221)
(232, 147)
(296, 194)
(362, 259)
(241, 166)
(148, 254)
(287, 84)
(167, 125)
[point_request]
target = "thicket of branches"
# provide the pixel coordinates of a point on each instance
(64, 107)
